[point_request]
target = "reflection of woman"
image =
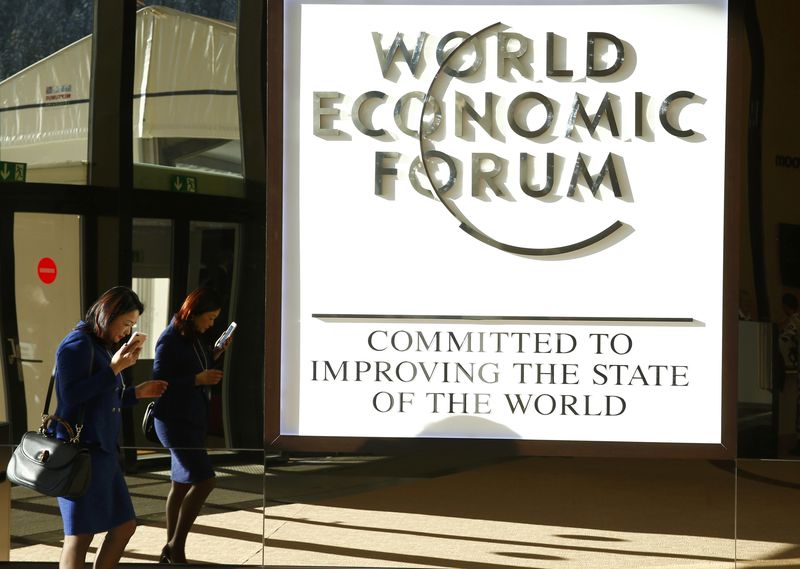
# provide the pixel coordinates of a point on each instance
(183, 359)
(789, 332)
(89, 362)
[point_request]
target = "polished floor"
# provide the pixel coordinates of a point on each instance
(457, 511)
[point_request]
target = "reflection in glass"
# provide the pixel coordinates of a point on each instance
(3, 404)
(154, 293)
(766, 512)
(213, 262)
(5, 493)
(44, 88)
(152, 255)
(181, 414)
(225, 10)
(757, 436)
(459, 509)
(186, 113)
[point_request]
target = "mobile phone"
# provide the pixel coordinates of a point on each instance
(225, 335)
(139, 337)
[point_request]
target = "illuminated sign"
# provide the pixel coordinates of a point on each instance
(12, 171)
(504, 221)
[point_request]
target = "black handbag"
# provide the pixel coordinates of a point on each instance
(149, 424)
(50, 465)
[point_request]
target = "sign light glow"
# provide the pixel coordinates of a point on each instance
(504, 221)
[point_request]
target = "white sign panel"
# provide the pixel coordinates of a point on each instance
(545, 261)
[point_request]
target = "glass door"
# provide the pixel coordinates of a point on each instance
(151, 280)
(46, 295)
(213, 259)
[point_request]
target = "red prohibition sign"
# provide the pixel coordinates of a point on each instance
(47, 270)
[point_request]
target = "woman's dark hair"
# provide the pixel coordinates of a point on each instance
(199, 301)
(112, 303)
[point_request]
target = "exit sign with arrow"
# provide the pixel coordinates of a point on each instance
(183, 184)
(12, 171)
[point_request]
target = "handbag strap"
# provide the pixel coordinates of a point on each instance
(46, 411)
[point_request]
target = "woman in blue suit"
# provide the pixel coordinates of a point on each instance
(89, 363)
(184, 359)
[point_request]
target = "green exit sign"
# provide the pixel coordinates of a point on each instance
(183, 184)
(12, 171)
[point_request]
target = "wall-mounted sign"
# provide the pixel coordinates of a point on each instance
(47, 270)
(180, 183)
(504, 221)
(12, 171)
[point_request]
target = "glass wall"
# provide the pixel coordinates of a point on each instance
(45, 75)
(3, 399)
(456, 508)
(152, 261)
(213, 254)
(186, 114)
(48, 283)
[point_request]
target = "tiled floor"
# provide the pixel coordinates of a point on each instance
(458, 512)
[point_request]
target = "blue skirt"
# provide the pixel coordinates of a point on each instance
(106, 504)
(190, 462)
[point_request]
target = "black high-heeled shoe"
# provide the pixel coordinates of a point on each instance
(166, 555)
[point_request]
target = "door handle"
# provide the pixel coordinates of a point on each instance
(15, 357)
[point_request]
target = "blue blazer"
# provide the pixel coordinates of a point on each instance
(84, 378)
(178, 359)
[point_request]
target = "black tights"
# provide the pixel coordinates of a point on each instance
(183, 506)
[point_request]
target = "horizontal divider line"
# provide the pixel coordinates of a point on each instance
(326, 316)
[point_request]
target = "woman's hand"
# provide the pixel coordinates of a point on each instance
(208, 377)
(217, 352)
(151, 388)
(125, 357)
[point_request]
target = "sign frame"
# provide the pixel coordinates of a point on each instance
(735, 152)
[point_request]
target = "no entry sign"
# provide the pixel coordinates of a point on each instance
(47, 270)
